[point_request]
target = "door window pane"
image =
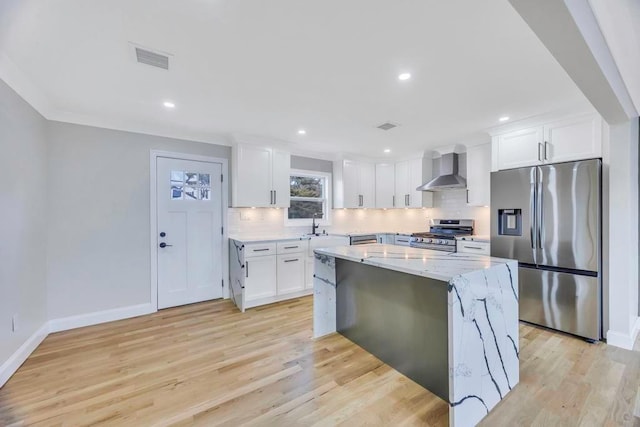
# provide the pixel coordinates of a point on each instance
(177, 177)
(205, 194)
(204, 179)
(191, 178)
(190, 193)
(176, 192)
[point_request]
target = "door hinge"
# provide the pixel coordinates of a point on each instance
(221, 178)
(222, 230)
(223, 283)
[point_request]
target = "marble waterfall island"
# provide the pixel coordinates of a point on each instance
(447, 321)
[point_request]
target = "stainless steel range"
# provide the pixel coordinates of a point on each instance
(442, 234)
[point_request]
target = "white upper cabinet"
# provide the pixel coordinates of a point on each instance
(411, 174)
(479, 175)
(260, 177)
(280, 178)
(353, 184)
(574, 138)
(385, 185)
(367, 178)
(519, 148)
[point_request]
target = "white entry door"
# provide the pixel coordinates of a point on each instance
(189, 235)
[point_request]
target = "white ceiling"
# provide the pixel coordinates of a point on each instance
(268, 68)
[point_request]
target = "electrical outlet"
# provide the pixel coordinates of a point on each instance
(14, 323)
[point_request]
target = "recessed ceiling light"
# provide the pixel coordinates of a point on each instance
(504, 118)
(404, 76)
(169, 104)
(302, 132)
(387, 150)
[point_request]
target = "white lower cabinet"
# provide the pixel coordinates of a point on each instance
(402, 239)
(471, 247)
(263, 273)
(291, 273)
(386, 238)
(260, 277)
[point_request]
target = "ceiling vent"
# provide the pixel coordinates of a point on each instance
(154, 59)
(387, 126)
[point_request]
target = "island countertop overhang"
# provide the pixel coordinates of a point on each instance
(437, 265)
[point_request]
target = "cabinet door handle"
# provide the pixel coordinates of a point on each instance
(246, 269)
(539, 148)
(291, 247)
(393, 201)
(291, 260)
(260, 250)
(546, 151)
(467, 196)
(275, 197)
(360, 202)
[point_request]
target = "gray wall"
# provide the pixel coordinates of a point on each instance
(310, 164)
(23, 198)
(98, 236)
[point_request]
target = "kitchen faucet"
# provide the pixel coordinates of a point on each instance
(315, 226)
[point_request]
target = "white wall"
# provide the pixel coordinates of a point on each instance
(621, 257)
(98, 234)
(23, 198)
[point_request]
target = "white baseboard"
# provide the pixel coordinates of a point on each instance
(625, 341)
(8, 368)
(81, 320)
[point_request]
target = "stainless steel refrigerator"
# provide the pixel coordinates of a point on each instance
(548, 218)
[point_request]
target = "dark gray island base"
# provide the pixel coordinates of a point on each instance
(400, 318)
(447, 321)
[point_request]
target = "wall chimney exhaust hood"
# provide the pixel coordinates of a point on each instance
(448, 178)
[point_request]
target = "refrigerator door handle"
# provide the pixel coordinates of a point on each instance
(533, 217)
(540, 221)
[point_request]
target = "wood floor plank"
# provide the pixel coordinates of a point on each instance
(210, 365)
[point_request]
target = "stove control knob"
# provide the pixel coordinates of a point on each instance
(442, 242)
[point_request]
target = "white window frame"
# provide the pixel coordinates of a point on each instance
(326, 218)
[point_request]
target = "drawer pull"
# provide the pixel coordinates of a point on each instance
(260, 250)
(291, 260)
(472, 247)
(291, 247)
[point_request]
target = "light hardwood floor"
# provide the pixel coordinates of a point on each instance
(208, 364)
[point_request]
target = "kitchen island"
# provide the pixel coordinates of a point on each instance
(448, 321)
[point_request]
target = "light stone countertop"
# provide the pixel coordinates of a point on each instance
(266, 238)
(437, 265)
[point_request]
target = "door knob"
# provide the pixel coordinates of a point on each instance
(164, 245)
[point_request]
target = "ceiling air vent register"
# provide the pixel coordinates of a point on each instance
(152, 58)
(387, 126)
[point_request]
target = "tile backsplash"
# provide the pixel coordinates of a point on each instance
(447, 204)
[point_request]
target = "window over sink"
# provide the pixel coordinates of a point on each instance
(310, 195)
